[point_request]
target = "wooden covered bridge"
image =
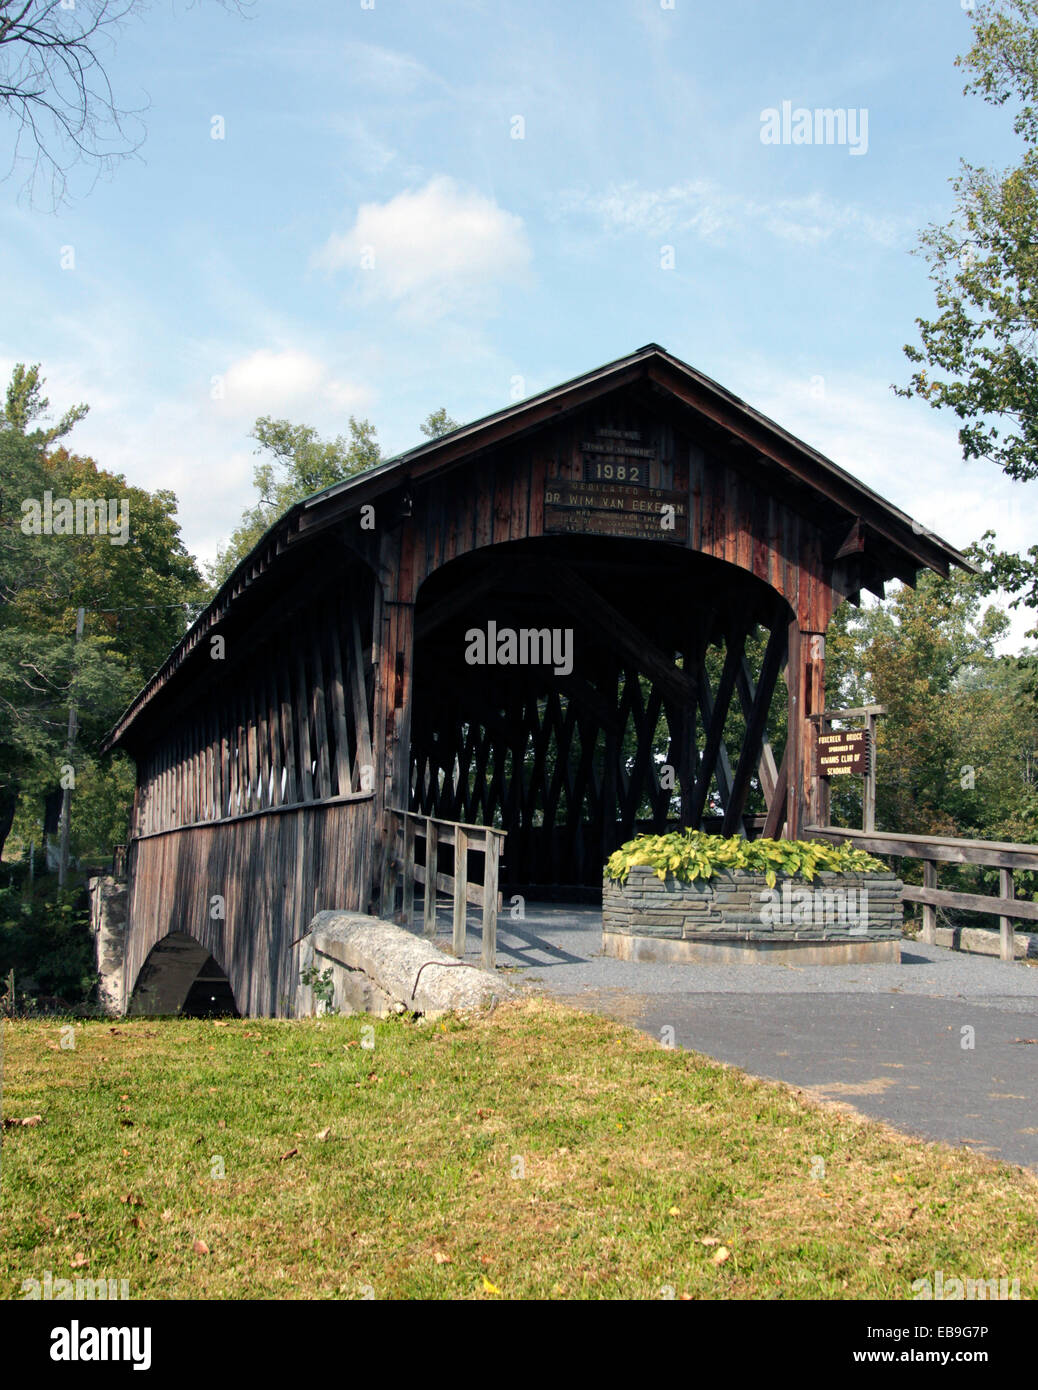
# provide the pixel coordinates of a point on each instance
(549, 621)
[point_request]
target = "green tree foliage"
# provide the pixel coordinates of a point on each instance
(977, 357)
(295, 463)
(48, 945)
(438, 423)
(956, 750)
(138, 597)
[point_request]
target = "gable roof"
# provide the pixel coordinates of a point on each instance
(716, 408)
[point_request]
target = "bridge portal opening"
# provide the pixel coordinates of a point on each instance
(575, 691)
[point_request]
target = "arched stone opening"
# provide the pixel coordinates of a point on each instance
(180, 976)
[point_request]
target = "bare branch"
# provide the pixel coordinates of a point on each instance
(54, 87)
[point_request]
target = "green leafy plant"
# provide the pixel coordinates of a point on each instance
(692, 854)
(322, 986)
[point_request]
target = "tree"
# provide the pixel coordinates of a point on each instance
(955, 749)
(977, 358)
(138, 597)
(438, 423)
(296, 464)
(25, 403)
(54, 86)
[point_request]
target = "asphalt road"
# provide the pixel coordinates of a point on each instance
(894, 1041)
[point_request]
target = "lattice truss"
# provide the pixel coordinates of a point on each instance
(289, 724)
(641, 734)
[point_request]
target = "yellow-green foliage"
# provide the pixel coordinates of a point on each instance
(691, 854)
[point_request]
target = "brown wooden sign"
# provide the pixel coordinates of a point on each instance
(617, 456)
(842, 754)
(614, 509)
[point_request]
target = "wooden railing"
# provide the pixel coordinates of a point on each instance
(935, 849)
(405, 827)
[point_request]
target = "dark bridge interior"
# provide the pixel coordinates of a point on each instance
(663, 720)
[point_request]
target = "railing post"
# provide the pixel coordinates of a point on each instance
(432, 841)
(929, 932)
(490, 854)
(461, 883)
(1005, 924)
(407, 898)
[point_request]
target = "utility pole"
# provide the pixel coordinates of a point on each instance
(66, 795)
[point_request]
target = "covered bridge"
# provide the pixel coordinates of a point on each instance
(548, 621)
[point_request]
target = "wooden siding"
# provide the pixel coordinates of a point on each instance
(246, 888)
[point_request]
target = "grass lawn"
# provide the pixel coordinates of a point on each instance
(537, 1152)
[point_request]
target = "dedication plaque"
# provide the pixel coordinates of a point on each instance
(614, 509)
(614, 498)
(842, 754)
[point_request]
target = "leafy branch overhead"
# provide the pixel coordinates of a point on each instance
(296, 462)
(978, 356)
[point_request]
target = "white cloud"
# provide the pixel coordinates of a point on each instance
(265, 382)
(716, 214)
(432, 252)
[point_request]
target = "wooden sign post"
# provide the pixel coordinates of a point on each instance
(851, 752)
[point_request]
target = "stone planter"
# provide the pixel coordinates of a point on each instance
(837, 918)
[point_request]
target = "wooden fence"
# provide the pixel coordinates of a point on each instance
(401, 868)
(935, 849)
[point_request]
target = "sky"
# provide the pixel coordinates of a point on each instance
(382, 207)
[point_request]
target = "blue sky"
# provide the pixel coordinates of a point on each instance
(502, 264)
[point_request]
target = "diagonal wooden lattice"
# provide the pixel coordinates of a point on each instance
(636, 736)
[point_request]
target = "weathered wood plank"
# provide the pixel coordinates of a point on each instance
(461, 879)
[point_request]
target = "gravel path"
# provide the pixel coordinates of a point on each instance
(894, 1041)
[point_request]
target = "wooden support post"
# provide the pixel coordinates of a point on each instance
(489, 954)
(929, 932)
(298, 925)
(365, 762)
(868, 791)
(824, 787)
(432, 842)
(388, 899)
(1005, 924)
(461, 884)
(301, 719)
(776, 817)
(814, 684)
(806, 676)
(407, 903)
(756, 724)
(343, 779)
